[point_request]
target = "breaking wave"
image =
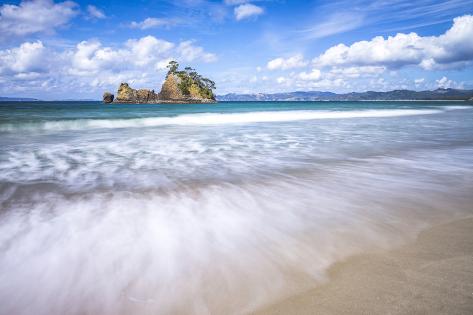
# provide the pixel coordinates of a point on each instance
(215, 119)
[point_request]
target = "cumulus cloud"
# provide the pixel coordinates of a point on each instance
(452, 49)
(25, 59)
(91, 66)
(446, 83)
(95, 12)
(419, 82)
(374, 63)
(296, 61)
(152, 22)
(36, 16)
(336, 79)
(144, 54)
(314, 79)
(356, 72)
(89, 58)
(281, 80)
(247, 10)
(313, 75)
(325, 84)
(189, 52)
(147, 50)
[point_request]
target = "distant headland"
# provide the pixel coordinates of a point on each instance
(395, 95)
(181, 87)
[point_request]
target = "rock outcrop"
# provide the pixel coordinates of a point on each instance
(179, 87)
(107, 97)
(126, 94)
(170, 89)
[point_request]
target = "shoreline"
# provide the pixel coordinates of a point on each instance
(430, 275)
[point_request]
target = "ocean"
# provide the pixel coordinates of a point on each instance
(214, 208)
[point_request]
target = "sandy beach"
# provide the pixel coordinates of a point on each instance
(433, 275)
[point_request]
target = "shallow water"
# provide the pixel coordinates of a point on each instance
(145, 209)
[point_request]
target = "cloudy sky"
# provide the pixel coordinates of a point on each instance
(78, 49)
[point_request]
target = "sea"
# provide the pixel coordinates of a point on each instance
(214, 208)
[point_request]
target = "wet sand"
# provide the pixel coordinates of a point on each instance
(433, 275)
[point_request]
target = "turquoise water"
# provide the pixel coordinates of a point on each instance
(39, 111)
(119, 209)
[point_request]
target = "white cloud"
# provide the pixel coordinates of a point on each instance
(446, 83)
(247, 10)
(452, 49)
(335, 79)
(281, 80)
(313, 75)
(95, 12)
(89, 57)
(189, 52)
(37, 16)
(146, 53)
(27, 58)
(419, 82)
(356, 72)
(324, 84)
(296, 61)
(310, 81)
(151, 23)
(90, 66)
(147, 50)
(235, 2)
(334, 24)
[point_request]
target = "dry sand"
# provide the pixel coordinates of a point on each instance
(433, 275)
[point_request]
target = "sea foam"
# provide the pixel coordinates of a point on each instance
(219, 248)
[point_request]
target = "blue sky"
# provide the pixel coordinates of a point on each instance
(78, 49)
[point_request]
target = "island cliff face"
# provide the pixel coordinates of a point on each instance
(126, 94)
(179, 87)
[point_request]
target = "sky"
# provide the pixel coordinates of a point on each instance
(79, 49)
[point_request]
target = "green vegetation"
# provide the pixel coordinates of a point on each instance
(191, 83)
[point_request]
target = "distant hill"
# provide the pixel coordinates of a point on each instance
(17, 99)
(438, 94)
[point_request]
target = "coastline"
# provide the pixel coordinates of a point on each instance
(431, 275)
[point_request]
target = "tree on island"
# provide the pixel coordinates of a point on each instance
(191, 83)
(172, 66)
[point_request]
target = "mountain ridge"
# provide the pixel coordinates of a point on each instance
(394, 95)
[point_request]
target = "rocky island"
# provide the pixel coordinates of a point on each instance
(181, 87)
